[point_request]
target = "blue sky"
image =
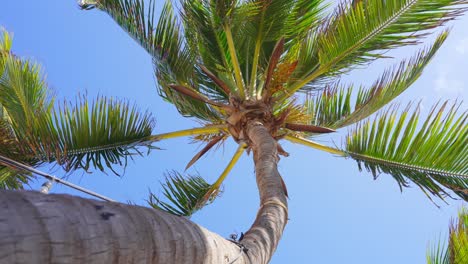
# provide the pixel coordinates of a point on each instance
(337, 214)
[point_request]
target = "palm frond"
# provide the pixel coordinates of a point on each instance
(438, 254)
(210, 29)
(134, 17)
(205, 130)
(432, 156)
(5, 41)
(177, 67)
(162, 39)
(356, 34)
(332, 107)
(173, 60)
(458, 239)
(204, 34)
(457, 250)
(185, 195)
(291, 20)
(23, 95)
(13, 180)
(99, 134)
(309, 143)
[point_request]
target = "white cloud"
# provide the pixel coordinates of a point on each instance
(462, 46)
(443, 84)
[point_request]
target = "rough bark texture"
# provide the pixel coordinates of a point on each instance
(38, 228)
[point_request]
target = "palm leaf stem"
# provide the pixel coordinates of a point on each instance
(235, 61)
(406, 166)
(326, 67)
(189, 132)
(321, 70)
(216, 80)
(256, 56)
(240, 150)
(192, 93)
(308, 128)
(22, 167)
(153, 138)
(202, 152)
(315, 145)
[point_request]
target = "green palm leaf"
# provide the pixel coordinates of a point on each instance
(101, 134)
(186, 195)
(356, 34)
(430, 156)
(174, 62)
(161, 39)
(360, 32)
(458, 239)
(457, 250)
(133, 16)
(11, 178)
(23, 95)
(332, 107)
(437, 255)
(291, 20)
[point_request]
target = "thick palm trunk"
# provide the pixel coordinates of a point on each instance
(38, 228)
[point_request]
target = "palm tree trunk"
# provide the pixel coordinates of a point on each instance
(262, 238)
(38, 228)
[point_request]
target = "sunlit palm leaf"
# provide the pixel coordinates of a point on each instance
(177, 66)
(204, 35)
(133, 16)
(291, 20)
(174, 62)
(14, 76)
(264, 28)
(457, 250)
(13, 180)
(437, 255)
(185, 195)
(359, 33)
(23, 95)
(332, 107)
(432, 155)
(101, 134)
(5, 42)
(9, 146)
(356, 34)
(23, 102)
(458, 239)
(210, 27)
(162, 39)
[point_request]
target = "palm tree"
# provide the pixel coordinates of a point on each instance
(457, 250)
(256, 71)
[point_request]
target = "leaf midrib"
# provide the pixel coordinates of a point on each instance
(366, 38)
(423, 169)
